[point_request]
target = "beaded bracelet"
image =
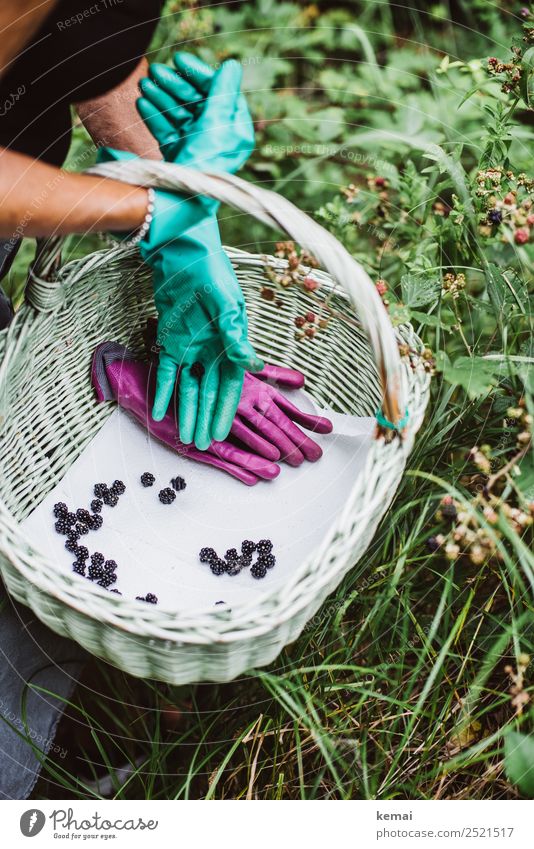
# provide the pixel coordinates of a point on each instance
(381, 419)
(143, 229)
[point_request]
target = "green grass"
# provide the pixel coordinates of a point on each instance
(400, 686)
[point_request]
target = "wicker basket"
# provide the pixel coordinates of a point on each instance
(48, 415)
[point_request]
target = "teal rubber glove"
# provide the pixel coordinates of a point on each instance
(173, 106)
(202, 317)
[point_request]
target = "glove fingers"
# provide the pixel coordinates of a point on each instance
(173, 111)
(209, 392)
(165, 383)
(305, 445)
(188, 405)
(254, 441)
(270, 430)
(224, 91)
(159, 125)
(257, 465)
(281, 375)
(195, 70)
(232, 376)
(175, 86)
(319, 424)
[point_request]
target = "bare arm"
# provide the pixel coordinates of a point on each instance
(41, 200)
(113, 120)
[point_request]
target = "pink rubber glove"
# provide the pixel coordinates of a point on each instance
(265, 420)
(116, 375)
(273, 418)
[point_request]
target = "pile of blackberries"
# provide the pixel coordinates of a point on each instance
(75, 525)
(234, 562)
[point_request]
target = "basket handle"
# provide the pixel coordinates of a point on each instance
(276, 211)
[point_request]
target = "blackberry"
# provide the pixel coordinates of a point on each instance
(79, 568)
(109, 567)
(448, 511)
(264, 546)
(118, 488)
(97, 559)
(267, 560)
(115, 590)
(81, 528)
(248, 547)
(111, 499)
(151, 598)
(167, 495)
(60, 510)
(147, 479)
(231, 554)
(61, 526)
(100, 490)
(96, 505)
(206, 555)
(178, 484)
(71, 546)
(258, 570)
(95, 522)
(70, 518)
(83, 515)
(432, 544)
(72, 535)
(82, 553)
(95, 571)
(107, 580)
(245, 561)
(218, 566)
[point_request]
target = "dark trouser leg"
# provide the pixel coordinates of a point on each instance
(31, 657)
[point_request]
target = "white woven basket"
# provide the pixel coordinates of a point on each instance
(48, 415)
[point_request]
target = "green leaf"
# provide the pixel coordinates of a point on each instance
(519, 761)
(474, 374)
(506, 290)
(527, 67)
(525, 481)
(431, 320)
(420, 289)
